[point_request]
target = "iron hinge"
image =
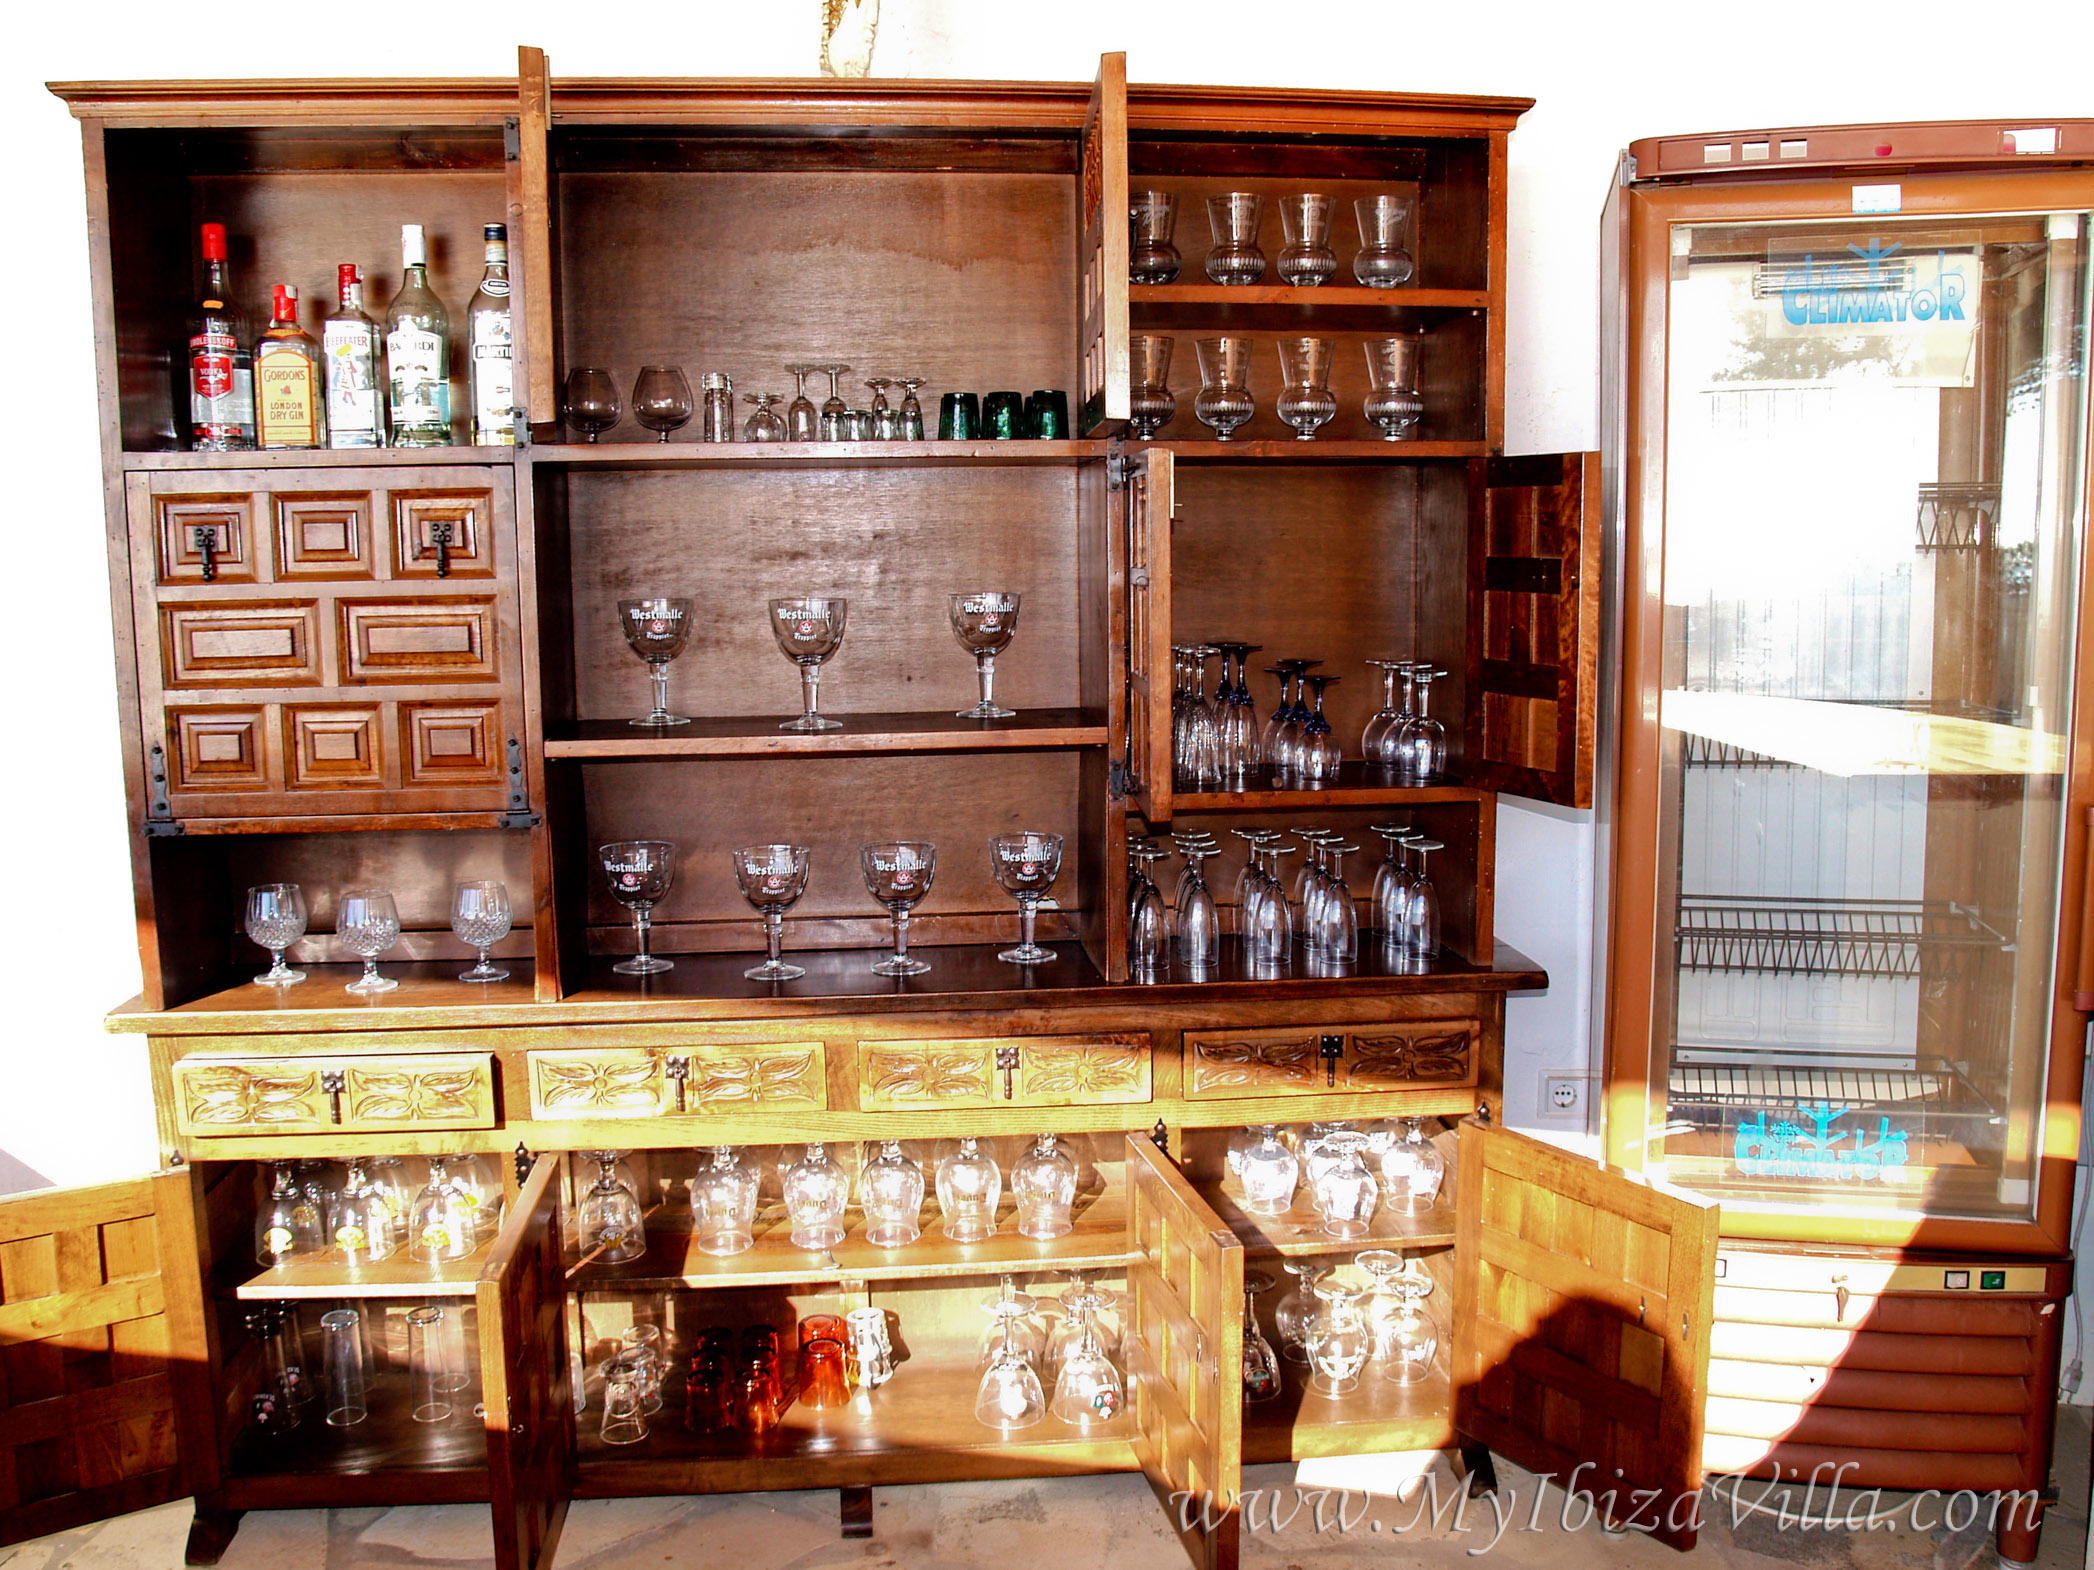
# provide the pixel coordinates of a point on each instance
(512, 140)
(524, 1162)
(1160, 1137)
(1120, 781)
(521, 416)
(1119, 469)
(160, 821)
(519, 815)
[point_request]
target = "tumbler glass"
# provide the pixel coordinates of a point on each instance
(342, 1346)
(959, 417)
(1225, 400)
(871, 1347)
(624, 1423)
(1003, 415)
(428, 1363)
(1382, 262)
(824, 1382)
(1308, 259)
(1152, 219)
(1235, 257)
(1149, 372)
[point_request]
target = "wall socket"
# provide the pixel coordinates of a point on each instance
(1563, 1095)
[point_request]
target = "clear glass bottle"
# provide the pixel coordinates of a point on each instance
(489, 344)
(1043, 1186)
(349, 348)
(290, 386)
(417, 352)
(723, 1204)
(220, 359)
(816, 1192)
(718, 417)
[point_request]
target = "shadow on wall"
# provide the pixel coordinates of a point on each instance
(17, 1177)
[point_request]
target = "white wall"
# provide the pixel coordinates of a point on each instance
(74, 1102)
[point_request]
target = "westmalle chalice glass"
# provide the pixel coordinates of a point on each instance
(809, 629)
(639, 873)
(985, 623)
(898, 874)
(773, 877)
(657, 629)
(480, 916)
(1026, 864)
(276, 920)
(367, 923)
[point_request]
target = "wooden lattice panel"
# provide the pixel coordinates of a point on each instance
(99, 1351)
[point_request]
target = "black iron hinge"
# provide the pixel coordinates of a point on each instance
(1120, 781)
(160, 821)
(524, 1161)
(512, 140)
(1119, 468)
(519, 815)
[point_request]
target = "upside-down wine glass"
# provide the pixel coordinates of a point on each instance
(1422, 743)
(367, 923)
(1043, 1187)
(1261, 1365)
(836, 414)
(480, 916)
(276, 918)
(1339, 1341)
(802, 424)
(656, 629)
(1148, 923)
(898, 875)
(910, 415)
(809, 629)
(1199, 919)
(1384, 720)
(1291, 1315)
(816, 1192)
(773, 877)
(1026, 864)
(662, 399)
(985, 622)
(1422, 935)
(890, 1190)
(611, 1224)
(723, 1204)
(763, 425)
(639, 873)
(1319, 754)
(1392, 881)
(969, 1184)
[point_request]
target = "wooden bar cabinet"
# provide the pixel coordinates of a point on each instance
(333, 694)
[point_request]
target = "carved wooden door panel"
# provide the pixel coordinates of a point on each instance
(327, 647)
(1582, 1302)
(1151, 502)
(521, 1297)
(1104, 392)
(1534, 625)
(105, 1394)
(1183, 1343)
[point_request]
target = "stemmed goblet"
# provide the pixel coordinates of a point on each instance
(809, 629)
(1043, 1186)
(480, 915)
(985, 623)
(1306, 401)
(898, 874)
(591, 403)
(1026, 864)
(773, 877)
(367, 923)
(802, 424)
(662, 399)
(723, 1204)
(639, 873)
(611, 1223)
(1261, 1365)
(1225, 400)
(908, 415)
(276, 920)
(762, 425)
(1307, 259)
(1149, 373)
(836, 414)
(657, 629)
(1088, 1389)
(969, 1184)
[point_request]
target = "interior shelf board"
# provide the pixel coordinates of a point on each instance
(737, 736)
(1376, 1416)
(1331, 306)
(1357, 785)
(630, 454)
(1300, 1231)
(323, 458)
(1315, 451)
(387, 1440)
(399, 1276)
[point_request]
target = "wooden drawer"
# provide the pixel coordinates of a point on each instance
(994, 1071)
(1408, 1055)
(640, 1082)
(216, 1096)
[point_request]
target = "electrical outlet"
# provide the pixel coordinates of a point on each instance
(1563, 1095)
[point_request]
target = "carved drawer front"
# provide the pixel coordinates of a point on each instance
(1343, 1060)
(240, 643)
(1019, 1071)
(443, 534)
(219, 747)
(377, 1094)
(333, 746)
(325, 535)
(184, 526)
(451, 744)
(630, 1082)
(386, 642)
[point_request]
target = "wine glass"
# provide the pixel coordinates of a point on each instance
(773, 877)
(1261, 1365)
(1422, 907)
(1346, 1192)
(809, 629)
(1026, 864)
(657, 629)
(816, 1192)
(723, 1204)
(886, 427)
(985, 622)
(1307, 259)
(367, 923)
(1318, 755)
(909, 416)
(1199, 918)
(1088, 1389)
(1392, 376)
(1269, 1173)
(480, 916)
(1339, 1341)
(762, 425)
(1412, 1172)
(836, 414)
(1152, 219)
(611, 1224)
(1225, 400)
(1234, 258)
(1421, 746)
(591, 403)
(890, 1191)
(969, 1183)
(285, 1229)
(802, 424)
(359, 1224)
(662, 399)
(1290, 1317)
(1011, 1324)
(1306, 401)
(1149, 373)
(1385, 719)
(443, 1226)
(1382, 262)
(1043, 1186)
(1148, 923)
(1009, 1395)
(640, 873)
(898, 874)
(275, 921)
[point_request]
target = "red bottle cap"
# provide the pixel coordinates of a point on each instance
(286, 302)
(347, 274)
(214, 242)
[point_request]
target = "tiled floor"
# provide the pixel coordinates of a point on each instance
(1096, 1523)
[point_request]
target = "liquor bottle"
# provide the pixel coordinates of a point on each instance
(290, 400)
(418, 352)
(221, 371)
(487, 331)
(349, 344)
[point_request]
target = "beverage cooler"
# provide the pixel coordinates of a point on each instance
(1844, 838)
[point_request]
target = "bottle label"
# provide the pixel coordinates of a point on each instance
(221, 392)
(494, 379)
(421, 385)
(498, 287)
(289, 411)
(351, 351)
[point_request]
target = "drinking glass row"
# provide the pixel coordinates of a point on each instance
(897, 873)
(1306, 401)
(1307, 260)
(372, 1210)
(1337, 1327)
(439, 1368)
(367, 923)
(809, 630)
(662, 402)
(1218, 740)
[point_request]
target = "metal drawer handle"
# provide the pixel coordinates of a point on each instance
(678, 1068)
(1332, 1048)
(1007, 1065)
(334, 1082)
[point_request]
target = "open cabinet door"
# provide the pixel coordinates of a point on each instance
(1105, 394)
(1183, 1342)
(1534, 626)
(522, 1296)
(1581, 1326)
(105, 1392)
(1149, 488)
(531, 240)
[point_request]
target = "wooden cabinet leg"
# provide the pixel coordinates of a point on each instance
(210, 1534)
(1483, 1476)
(2018, 1538)
(857, 1508)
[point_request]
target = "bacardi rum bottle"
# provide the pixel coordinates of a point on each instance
(290, 392)
(418, 352)
(221, 374)
(487, 329)
(349, 344)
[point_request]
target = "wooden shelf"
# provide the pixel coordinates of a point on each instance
(1291, 451)
(399, 1276)
(1300, 1231)
(741, 736)
(686, 454)
(1277, 305)
(1357, 785)
(326, 458)
(389, 1440)
(1377, 1416)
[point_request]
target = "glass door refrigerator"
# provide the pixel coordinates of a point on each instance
(1844, 831)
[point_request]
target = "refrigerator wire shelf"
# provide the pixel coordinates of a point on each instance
(1841, 937)
(1932, 1086)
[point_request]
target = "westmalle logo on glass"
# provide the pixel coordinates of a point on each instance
(774, 880)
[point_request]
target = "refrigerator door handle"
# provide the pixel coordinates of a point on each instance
(2083, 978)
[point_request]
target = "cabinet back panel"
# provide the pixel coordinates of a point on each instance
(966, 279)
(894, 542)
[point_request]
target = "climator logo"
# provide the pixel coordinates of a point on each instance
(1827, 291)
